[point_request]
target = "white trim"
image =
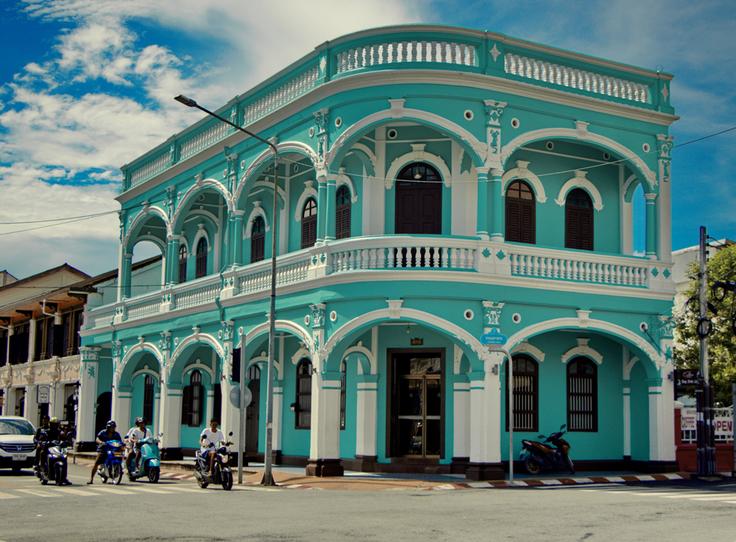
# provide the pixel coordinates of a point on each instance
(147, 212)
(257, 211)
(301, 353)
(201, 232)
(580, 181)
(308, 192)
(628, 366)
(582, 349)
(396, 111)
(145, 371)
(201, 366)
(343, 179)
(362, 147)
(522, 172)
(263, 360)
(581, 135)
(360, 349)
(193, 190)
(198, 338)
(418, 154)
(529, 349)
(281, 325)
(590, 324)
(138, 347)
(160, 243)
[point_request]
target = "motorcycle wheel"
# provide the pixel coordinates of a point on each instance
(227, 480)
(59, 474)
(570, 465)
(117, 474)
(532, 466)
(153, 475)
(202, 483)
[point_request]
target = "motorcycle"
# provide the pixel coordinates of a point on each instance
(222, 474)
(149, 461)
(54, 468)
(112, 467)
(552, 453)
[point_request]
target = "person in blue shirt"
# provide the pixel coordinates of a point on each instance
(103, 437)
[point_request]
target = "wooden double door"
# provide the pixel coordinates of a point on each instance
(418, 200)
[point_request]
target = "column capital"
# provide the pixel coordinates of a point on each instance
(650, 196)
(496, 173)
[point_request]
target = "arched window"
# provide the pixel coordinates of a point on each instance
(303, 405)
(526, 394)
(342, 213)
(257, 239)
(579, 220)
(148, 399)
(582, 395)
(309, 223)
(193, 401)
(343, 392)
(521, 211)
(418, 200)
(201, 255)
(182, 263)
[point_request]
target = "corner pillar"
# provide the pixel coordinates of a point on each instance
(324, 444)
(651, 225)
(322, 207)
(482, 206)
(662, 419)
(88, 373)
(497, 212)
(236, 238)
(366, 415)
(485, 421)
(330, 208)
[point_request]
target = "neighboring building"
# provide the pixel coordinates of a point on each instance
(434, 184)
(682, 260)
(40, 317)
(6, 278)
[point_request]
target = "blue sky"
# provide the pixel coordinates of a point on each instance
(86, 86)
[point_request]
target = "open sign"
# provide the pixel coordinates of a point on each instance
(723, 427)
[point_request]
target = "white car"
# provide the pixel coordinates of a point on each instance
(17, 449)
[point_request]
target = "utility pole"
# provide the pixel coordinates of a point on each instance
(706, 449)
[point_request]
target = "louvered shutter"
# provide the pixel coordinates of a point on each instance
(186, 406)
(513, 220)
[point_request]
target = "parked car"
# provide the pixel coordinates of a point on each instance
(17, 449)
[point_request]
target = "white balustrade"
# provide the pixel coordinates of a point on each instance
(148, 306)
(199, 142)
(558, 74)
(186, 296)
(281, 95)
(400, 52)
(580, 268)
(149, 169)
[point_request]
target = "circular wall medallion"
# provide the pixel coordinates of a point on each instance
(469, 314)
(392, 133)
(338, 122)
(311, 132)
(515, 123)
(242, 164)
(645, 147)
(606, 156)
(549, 145)
(468, 114)
(307, 319)
(516, 318)
(333, 316)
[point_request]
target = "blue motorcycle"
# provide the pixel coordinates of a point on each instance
(112, 467)
(148, 462)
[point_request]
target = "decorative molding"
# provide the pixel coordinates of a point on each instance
(522, 172)
(582, 349)
(308, 192)
(195, 189)
(342, 179)
(529, 349)
(394, 308)
(257, 211)
(418, 154)
(580, 181)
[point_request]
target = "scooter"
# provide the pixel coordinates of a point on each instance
(149, 461)
(550, 454)
(54, 468)
(112, 467)
(222, 474)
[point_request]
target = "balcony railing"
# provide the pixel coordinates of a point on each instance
(415, 47)
(397, 254)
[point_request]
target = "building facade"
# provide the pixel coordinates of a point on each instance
(40, 319)
(433, 184)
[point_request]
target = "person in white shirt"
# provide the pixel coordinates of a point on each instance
(209, 439)
(135, 434)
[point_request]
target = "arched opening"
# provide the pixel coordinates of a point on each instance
(521, 221)
(342, 212)
(201, 258)
(253, 378)
(309, 223)
(343, 393)
(148, 396)
(193, 396)
(258, 240)
(579, 227)
(303, 403)
(582, 395)
(639, 217)
(103, 410)
(182, 263)
(418, 200)
(526, 394)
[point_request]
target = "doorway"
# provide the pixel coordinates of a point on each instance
(252, 410)
(418, 200)
(416, 404)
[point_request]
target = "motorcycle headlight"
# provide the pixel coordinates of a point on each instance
(225, 458)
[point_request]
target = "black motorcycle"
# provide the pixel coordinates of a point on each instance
(54, 467)
(221, 474)
(552, 453)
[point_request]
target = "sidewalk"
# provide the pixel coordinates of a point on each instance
(294, 478)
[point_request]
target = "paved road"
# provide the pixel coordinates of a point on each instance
(180, 510)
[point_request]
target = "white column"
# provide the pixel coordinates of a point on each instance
(366, 414)
(230, 421)
(627, 417)
(664, 227)
(30, 412)
(210, 405)
(56, 408)
(121, 408)
(155, 423)
(88, 373)
(461, 422)
(662, 420)
(5, 410)
(627, 227)
(485, 419)
(170, 417)
(32, 340)
(324, 436)
(278, 401)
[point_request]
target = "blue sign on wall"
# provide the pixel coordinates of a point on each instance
(493, 337)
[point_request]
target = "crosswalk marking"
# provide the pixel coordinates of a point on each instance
(77, 492)
(8, 496)
(150, 490)
(113, 490)
(714, 498)
(37, 493)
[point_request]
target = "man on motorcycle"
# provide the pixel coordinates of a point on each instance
(209, 439)
(103, 437)
(37, 439)
(135, 434)
(52, 432)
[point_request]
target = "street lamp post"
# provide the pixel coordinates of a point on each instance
(267, 479)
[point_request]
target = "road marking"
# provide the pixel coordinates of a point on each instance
(149, 490)
(37, 493)
(113, 490)
(182, 488)
(8, 496)
(79, 492)
(714, 498)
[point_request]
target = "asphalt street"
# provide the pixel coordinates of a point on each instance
(182, 511)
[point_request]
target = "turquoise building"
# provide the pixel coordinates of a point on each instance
(433, 184)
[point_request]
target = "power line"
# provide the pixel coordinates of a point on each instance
(61, 219)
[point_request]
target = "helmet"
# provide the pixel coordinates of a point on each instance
(139, 420)
(54, 420)
(111, 424)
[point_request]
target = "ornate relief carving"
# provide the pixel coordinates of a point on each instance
(492, 314)
(664, 148)
(494, 112)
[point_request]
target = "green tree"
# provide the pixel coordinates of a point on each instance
(722, 340)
